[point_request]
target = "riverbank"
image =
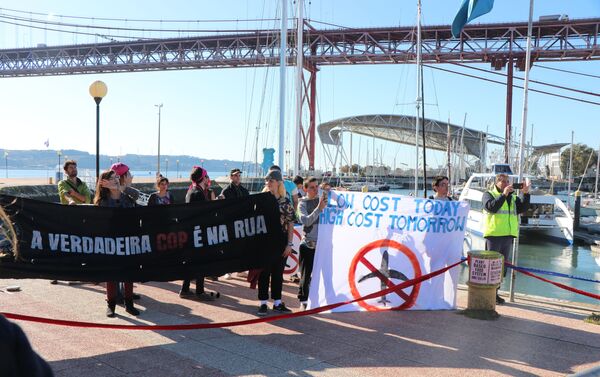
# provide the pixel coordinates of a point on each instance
(529, 339)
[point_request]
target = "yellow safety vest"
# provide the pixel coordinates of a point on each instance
(505, 222)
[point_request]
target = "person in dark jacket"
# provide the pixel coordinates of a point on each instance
(17, 358)
(235, 188)
(199, 191)
(501, 211)
(273, 274)
(163, 195)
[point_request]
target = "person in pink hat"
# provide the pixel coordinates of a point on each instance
(125, 180)
(108, 194)
(199, 191)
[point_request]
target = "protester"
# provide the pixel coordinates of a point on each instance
(125, 181)
(108, 194)
(299, 182)
(274, 272)
(199, 191)
(310, 207)
(163, 195)
(440, 188)
(17, 358)
(501, 221)
(235, 188)
(290, 188)
(73, 190)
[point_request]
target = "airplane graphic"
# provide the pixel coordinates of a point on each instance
(385, 271)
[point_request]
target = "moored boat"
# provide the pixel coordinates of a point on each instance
(547, 216)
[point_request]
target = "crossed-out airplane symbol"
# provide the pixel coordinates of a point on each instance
(384, 273)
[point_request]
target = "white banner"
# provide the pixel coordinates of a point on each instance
(369, 241)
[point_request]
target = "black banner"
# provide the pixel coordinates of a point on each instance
(159, 243)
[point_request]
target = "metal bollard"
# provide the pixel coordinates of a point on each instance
(485, 276)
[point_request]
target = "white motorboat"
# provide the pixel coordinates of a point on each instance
(547, 216)
(358, 186)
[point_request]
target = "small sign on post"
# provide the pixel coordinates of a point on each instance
(485, 275)
(485, 268)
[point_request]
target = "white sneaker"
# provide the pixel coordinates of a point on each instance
(227, 276)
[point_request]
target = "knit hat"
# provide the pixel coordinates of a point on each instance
(119, 168)
(274, 174)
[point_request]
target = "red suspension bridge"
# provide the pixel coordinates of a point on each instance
(502, 45)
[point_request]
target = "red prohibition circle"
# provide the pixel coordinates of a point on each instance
(293, 265)
(293, 258)
(412, 297)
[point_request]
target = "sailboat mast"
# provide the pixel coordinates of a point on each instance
(597, 172)
(256, 153)
(282, 63)
(461, 162)
(523, 132)
(570, 171)
(418, 102)
(299, 76)
(448, 142)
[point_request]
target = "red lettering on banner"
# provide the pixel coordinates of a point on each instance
(171, 240)
(161, 238)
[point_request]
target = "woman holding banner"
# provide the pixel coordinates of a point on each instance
(440, 187)
(199, 191)
(162, 196)
(108, 194)
(274, 273)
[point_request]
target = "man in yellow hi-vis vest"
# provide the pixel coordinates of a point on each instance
(501, 216)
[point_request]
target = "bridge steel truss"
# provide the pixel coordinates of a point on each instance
(500, 45)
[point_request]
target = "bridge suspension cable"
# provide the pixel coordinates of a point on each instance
(102, 27)
(567, 71)
(534, 81)
(514, 85)
(134, 19)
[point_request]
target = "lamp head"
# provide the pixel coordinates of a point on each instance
(98, 90)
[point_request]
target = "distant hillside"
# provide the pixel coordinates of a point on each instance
(48, 159)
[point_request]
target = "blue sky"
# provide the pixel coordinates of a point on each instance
(208, 113)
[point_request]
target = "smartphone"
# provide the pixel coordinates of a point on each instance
(518, 185)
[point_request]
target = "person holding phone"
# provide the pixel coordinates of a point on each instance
(109, 194)
(501, 216)
(309, 208)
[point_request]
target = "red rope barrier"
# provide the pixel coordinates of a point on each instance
(195, 326)
(566, 287)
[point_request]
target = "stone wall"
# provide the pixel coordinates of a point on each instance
(49, 193)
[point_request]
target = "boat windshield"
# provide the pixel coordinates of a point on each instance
(540, 211)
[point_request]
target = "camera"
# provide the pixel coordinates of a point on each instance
(518, 185)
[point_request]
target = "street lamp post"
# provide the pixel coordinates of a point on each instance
(58, 153)
(98, 91)
(177, 162)
(6, 163)
(166, 167)
(158, 157)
